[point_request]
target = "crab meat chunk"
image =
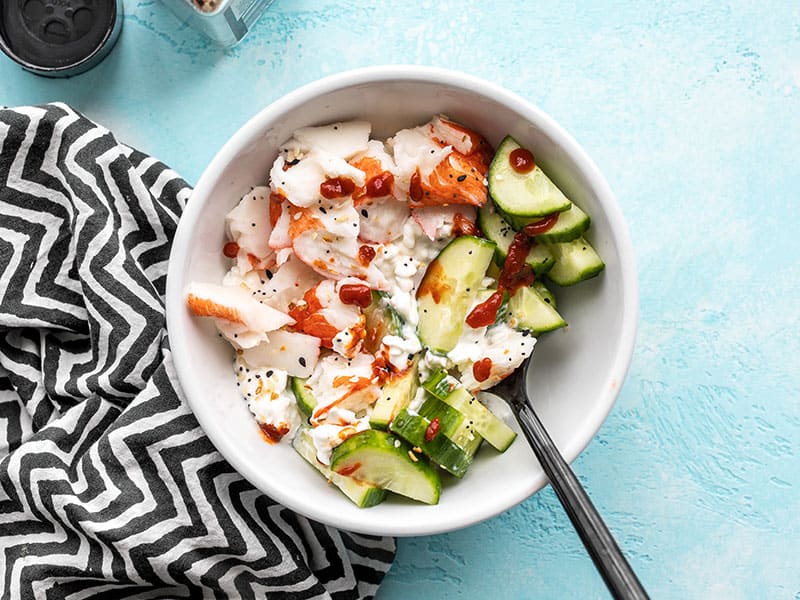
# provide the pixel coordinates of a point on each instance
(249, 226)
(431, 170)
(437, 221)
(286, 284)
(321, 313)
(295, 353)
(325, 237)
(341, 383)
(242, 319)
(343, 140)
(301, 182)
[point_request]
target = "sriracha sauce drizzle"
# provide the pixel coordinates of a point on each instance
(231, 249)
(355, 293)
(432, 430)
(539, 227)
(366, 254)
(380, 185)
(485, 313)
(415, 187)
(463, 226)
(482, 369)
(336, 187)
(515, 272)
(521, 160)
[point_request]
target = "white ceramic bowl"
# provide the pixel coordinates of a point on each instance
(577, 371)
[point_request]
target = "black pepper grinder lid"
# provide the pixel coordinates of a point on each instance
(59, 38)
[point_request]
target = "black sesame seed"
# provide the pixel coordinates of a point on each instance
(364, 213)
(236, 335)
(302, 361)
(269, 373)
(322, 210)
(461, 178)
(253, 224)
(269, 274)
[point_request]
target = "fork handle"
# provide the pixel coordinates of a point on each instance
(608, 558)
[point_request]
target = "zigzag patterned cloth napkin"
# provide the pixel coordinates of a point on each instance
(108, 486)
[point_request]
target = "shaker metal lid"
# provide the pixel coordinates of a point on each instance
(59, 38)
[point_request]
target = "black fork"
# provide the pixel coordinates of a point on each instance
(601, 545)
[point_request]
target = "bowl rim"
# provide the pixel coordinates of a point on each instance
(425, 74)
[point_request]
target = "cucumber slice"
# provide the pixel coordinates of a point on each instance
(571, 224)
(452, 423)
(383, 460)
(497, 229)
(443, 451)
(362, 494)
(306, 402)
(380, 320)
(576, 261)
(446, 291)
(493, 430)
(546, 294)
(522, 195)
(395, 396)
(439, 385)
(527, 309)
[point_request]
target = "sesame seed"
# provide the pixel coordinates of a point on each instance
(302, 361)
(461, 178)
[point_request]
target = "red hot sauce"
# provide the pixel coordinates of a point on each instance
(521, 160)
(336, 187)
(482, 369)
(355, 293)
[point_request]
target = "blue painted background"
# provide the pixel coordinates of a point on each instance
(692, 110)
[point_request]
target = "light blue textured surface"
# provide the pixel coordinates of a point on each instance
(692, 110)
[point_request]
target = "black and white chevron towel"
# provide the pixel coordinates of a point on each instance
(108, 487)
